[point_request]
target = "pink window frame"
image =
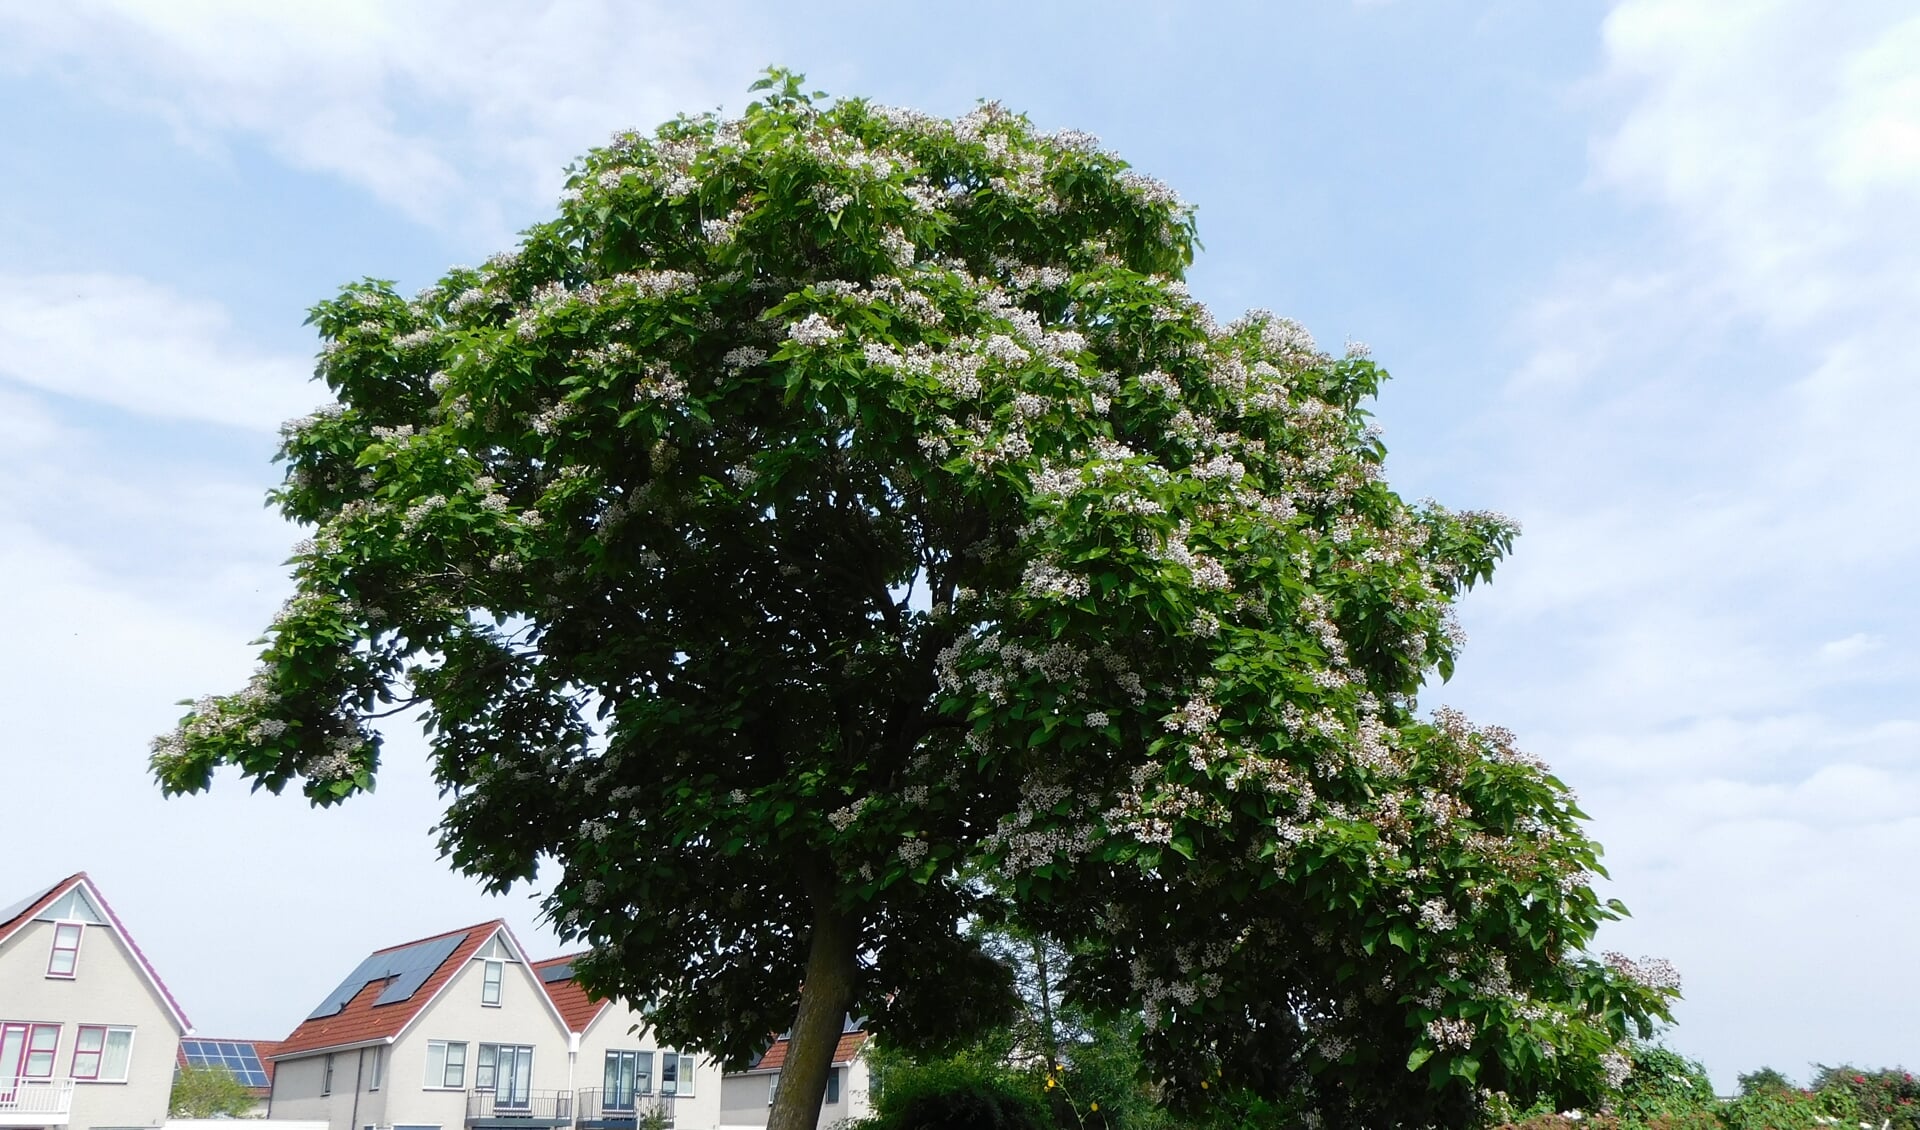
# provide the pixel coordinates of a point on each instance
(73, 970)
(99, 1056)
(32, 1031)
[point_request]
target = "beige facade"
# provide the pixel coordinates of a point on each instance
(95, 1006)
(622, 1030)
(384, 1083)
(745, 1098)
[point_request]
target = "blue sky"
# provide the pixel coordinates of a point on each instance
(1646, 273)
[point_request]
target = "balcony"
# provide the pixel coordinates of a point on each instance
(490, 1110)
(35, 1102)
(627, 1112)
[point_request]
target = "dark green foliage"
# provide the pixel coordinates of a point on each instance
(830, 506)
(960, 1093)
(1764, 1080)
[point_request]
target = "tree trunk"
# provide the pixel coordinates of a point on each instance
(832, 965)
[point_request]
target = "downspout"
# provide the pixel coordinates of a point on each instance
(573, 1057)
(359, 1064)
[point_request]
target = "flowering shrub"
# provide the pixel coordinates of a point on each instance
(835, 504)
(1888, 1095)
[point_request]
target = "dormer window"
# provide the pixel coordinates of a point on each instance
(65, 958)
(490, 983)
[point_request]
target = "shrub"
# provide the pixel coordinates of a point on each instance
(1888, 1095)
(954, 1094)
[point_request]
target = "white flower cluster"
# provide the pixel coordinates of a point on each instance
(1047, 580)
(742, 358)
(1617, 1066)
(1653, 972)
(1451, 1032)
(1029, 837)
(814, 330)
(1436, 917)
(844, 817)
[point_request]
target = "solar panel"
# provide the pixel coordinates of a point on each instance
(236, 1056)
(553, 973)
(19, 908)
(409, 967)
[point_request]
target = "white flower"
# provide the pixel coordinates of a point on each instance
(814, 329)
(742, 357)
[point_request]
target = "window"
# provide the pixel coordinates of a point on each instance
(676, 1074)
(490, 984)
(326, 1077)
(507, 1071)
(628, 1074)
(773, 1087)
(65, 957)
(26, 1051)
(833, 1086)
(101, 1054)
(446, 1064)
(375, 1069)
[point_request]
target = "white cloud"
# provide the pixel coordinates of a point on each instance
(142, 348)
(1849, 648)
(1711, 440)
(452, 112)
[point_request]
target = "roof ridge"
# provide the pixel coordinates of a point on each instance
(496, 922)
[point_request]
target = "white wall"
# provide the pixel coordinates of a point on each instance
(108, 987)
(613, 1029)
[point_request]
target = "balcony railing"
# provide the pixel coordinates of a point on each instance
(526, 1109)
(624, 1112)
(35, 1102)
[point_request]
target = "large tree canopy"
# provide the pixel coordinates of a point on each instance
(840, 525)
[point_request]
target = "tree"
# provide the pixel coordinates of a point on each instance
(211, 1091)
(1764, 1080)
(833, 506)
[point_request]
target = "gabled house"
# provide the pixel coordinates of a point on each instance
(88, 1032)
(622, 1075)
(448, 1032)
(746, 1096)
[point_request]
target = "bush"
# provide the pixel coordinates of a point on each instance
(1888, 1095)
(1789, 1108)
(953, 1094)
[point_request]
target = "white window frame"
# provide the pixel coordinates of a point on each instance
(773, 1087)
(72, 952)
(832, 1094)
(446, 1047)
(681, 1064)
(379, 1066)
(326, 1075)
(492, 974)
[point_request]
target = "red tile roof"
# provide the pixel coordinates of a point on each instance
(574, 1005)
(80, 879)
(776, 1056)
(362, 1021)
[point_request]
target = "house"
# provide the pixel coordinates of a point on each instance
(622, 1073)
(250, 1061)
(88, 1032)
(746, 1096)
(450, 1032)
